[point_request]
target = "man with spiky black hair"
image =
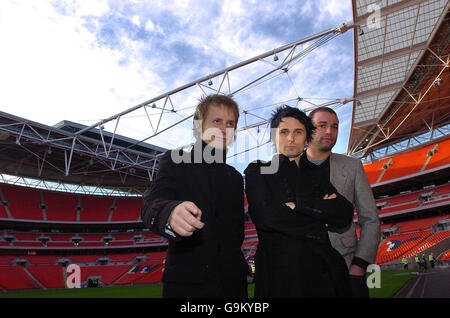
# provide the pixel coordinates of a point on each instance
(294, 256)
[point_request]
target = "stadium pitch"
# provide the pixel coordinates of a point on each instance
(391, 282)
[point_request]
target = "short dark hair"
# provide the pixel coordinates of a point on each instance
(288, 111)
(321, 109)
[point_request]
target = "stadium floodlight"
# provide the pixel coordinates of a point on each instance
(437, 82)
(361, 31)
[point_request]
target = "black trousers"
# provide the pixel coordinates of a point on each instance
(205, 290)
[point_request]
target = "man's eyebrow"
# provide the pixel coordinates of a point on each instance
(325, 122)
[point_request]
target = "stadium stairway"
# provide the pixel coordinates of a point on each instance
(437, 239)
(33, 279)
(121, 276)
(393, 247)
(436, 244)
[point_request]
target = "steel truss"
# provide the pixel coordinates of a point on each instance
(362, 149)
(220, 82)
(380, 130)
(108, 156)
(414, 141)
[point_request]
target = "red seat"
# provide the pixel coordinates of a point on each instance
(441, 157)
(51, 276)
(23, 202)
(127, 209)
(395, 246)
(13, 277)
(60, 206)
(430, 242)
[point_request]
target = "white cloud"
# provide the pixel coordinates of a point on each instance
(149, 26)
(52, 70)
(53, 67)
(136, 20)
(333, 11)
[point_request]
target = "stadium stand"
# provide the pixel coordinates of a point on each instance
(441, 155)
(66, 207)
(406, 163)
(42, 272)
(127, 209)
(376, 170)
(428, 243)
(49, 276)
(421, 198)
(95, 209)
(3, 207)
(418, 225)
(60, 206)
(19, 208)
(395, 246)
(402, 165)
(13, 277)
(420, 210)
(48, 230)
(117, 260)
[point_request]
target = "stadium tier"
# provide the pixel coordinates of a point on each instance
(414, 201)
(420, 224)
(14, 277)
(405, 164)
(44, 205)
(395, 246)
(374, 170)
(408, 245)
(411, 211)
(21, 203)
(115, 257)
(43, 272)
(430, 242)
(44, 240)
(22, 270)
(441, 156)
(28, 214)
(60, 206)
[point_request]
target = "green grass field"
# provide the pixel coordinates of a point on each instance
(391, 282)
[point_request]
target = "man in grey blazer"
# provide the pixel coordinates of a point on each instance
(348, 177)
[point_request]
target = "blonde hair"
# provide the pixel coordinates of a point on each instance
(215, 99)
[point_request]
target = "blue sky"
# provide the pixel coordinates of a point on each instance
(87, 60)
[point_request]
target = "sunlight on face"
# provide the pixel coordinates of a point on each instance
(290, 137)
(218, 128)
(325, 135)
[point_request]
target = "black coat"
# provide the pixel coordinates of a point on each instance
(294, 256)
(210, 263)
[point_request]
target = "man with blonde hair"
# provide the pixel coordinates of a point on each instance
(197, 202)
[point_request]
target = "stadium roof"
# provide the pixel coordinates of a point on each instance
(60, 154)
(401, 71)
